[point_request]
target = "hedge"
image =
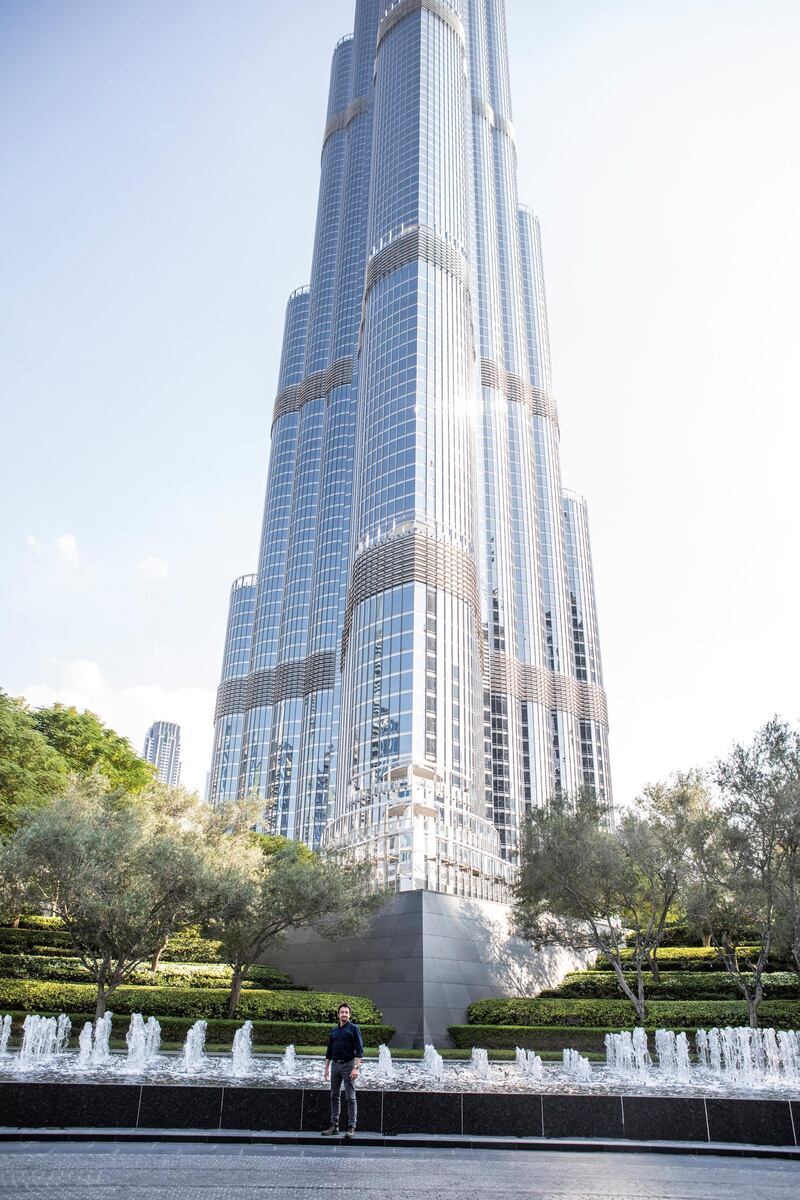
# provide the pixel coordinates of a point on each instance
(620, 1014)
(529, 1037)
(678, 985)
(34, 941)
(678, 958)
(184, 975)
(34, 921)
(265, 1033)
(185, 946)
(33, 996)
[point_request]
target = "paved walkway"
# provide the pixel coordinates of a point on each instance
(153, 1171)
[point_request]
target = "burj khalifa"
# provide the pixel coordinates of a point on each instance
(416, 663)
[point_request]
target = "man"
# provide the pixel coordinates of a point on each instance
(342, 1063)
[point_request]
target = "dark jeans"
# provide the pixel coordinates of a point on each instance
(340, 1077)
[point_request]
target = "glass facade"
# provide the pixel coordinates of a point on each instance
(423, 661)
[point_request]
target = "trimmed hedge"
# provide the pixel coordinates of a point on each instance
(183, 975)
(620, 1014)
(677, 958)
(209, 1003)
(265, 1033)
(53, 940)
(34, 921)
(678, 985)
(529, 1037)
(34, 941)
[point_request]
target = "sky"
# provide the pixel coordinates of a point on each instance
(160, 165)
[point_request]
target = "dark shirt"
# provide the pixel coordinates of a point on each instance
(344, 1043)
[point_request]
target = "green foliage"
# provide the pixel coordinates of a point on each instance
(529, 1037)
(34, 921)
(181, 975)
(679, 958)
(122, 872)
(189, 946)
(207, 1003)
(620, 1014)
(34, 941)
(85, 745)
(678, 985)
(31, 771)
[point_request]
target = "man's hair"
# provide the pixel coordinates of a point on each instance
(344, 1004)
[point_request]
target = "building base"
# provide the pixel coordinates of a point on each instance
(425, 957)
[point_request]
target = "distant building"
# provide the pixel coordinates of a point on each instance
(162, 746)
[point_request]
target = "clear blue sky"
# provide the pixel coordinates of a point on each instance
(160, 168)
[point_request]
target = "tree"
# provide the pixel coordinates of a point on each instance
(86, 745)
(273, 885)
(583, 881)
(745, 858)
(30, 769)
(122, 871)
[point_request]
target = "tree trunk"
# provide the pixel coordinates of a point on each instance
(100, 1007)
(706, 940)
(752, 1011)
(654, 967)
(237, 979)
(156, 959)
(15, 921)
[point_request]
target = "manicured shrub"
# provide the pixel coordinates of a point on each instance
(210, 1003)
(34, 941)
(34, 921)
(529, 1037)
(678, 958)
(183, 975)
(620, 1014)
(678, 985)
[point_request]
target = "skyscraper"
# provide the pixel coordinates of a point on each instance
(416, 662)
(162, 746)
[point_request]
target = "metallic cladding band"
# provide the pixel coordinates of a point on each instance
(411, 558)
(342, 120)
(314, 387)
(586, 701)
(496, 119)
(287, 681)
(514, 387)
(419, 242)
(406, 7)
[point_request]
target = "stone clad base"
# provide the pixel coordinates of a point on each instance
(132, 1106)
(424, 959)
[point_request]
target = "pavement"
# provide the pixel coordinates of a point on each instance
(158, 1171)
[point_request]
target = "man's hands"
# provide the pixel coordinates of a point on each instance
(327, 1070)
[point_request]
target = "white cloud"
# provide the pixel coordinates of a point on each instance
(67, 547)
(154, 568)
(33, 544)
(132, 709)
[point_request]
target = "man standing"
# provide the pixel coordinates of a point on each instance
(342, 1062)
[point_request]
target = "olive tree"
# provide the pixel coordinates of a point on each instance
(586, 881)
(743, 887)
(122, 871)
(274, 885)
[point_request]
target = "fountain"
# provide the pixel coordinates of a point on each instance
(432, 1063)
(627, 1053)
(576, 1066)
(386, 1069)
(242, 1050)
(749, 1056)
(672, 1052)
(42, 1039)
(480, 1063)
(530, 1064)
(289, 1062)
(5, 1034)
(143, 1040)
(194, 1047)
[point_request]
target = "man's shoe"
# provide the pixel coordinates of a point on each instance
(350, 1131)
(331, 1131)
